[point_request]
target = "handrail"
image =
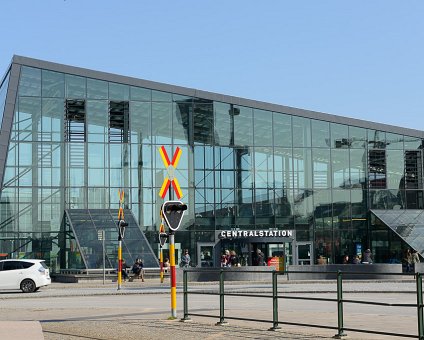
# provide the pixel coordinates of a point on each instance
(275, 297)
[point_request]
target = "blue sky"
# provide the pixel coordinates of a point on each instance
(360, 59)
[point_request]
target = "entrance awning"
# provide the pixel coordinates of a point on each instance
(85, 224)
(408, 224)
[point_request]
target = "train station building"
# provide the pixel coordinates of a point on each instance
(295, 183)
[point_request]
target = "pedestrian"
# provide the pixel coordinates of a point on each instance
(407, 260)
(259, 257)
(185, 259)
(224, 261)
(367, 259)
(415, 258)
(138, 270)
(356, 260)
(166, 265)
(345, 259)
(124, 273)
(234, 260)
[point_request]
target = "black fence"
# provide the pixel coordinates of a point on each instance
(339, 301)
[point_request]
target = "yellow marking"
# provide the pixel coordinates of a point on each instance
(177, 159)
(165, 162)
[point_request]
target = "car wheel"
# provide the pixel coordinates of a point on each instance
(28, 286)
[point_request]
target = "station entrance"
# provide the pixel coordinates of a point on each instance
(274, 246)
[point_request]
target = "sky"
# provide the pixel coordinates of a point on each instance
(358, 59)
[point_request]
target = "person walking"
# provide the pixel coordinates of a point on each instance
(407, 260)
(415, 258)
(185, 259)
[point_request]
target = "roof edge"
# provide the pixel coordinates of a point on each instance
(37, 63)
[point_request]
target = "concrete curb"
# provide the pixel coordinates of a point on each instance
(21, 330)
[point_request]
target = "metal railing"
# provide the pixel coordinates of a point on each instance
(276, 297)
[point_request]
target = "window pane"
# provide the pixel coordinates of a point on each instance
(97, 89)
(75, 86)
(53, 84)
(301, 132)
(158, 96)
(262, 123)
(222, 121)
(30, 82)
(140, 121)
(119, 91)
(357, 137)
(139, 93)
(282, 128)
(320, 134)
(243, 127)
(321, 168)
(339, 136)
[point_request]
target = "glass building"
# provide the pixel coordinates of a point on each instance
(254, 175)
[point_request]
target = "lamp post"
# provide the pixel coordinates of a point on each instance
(101, 237)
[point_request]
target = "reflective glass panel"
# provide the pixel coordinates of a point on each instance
(223, 123)
(262, 125)
(159, 96)
(320, 134)
(394, 141)
(97, 120)
(30, 82)
(412, 143)
(395, 167)
(97, 89)
(140, 122)
(340, 168)
(358, 168)
(357, 137)
(119, 91)
(243, 125)
(282, 128)
(75, 87)
(283, 166)
(53, 84)
(139, 93)
(301, 132)
(162, 122)
(321, 168)
(376, 139)
(339, 136)
(302, 168)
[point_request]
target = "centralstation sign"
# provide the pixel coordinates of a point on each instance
(255, 233)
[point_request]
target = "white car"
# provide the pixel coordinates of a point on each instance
(26, 275)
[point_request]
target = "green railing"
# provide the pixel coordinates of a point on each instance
(276, 297)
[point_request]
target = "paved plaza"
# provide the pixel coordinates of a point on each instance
(142, 310)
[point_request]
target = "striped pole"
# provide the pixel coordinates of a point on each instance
(173, 275)
(119, 263)
(161, 264)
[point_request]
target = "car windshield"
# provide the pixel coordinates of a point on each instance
(44, 265)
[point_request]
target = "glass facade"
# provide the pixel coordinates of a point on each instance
(76, 141)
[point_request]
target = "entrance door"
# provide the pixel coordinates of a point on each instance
(205, 255)
(304, 253)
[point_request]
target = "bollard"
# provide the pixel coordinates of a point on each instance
(339, 306)
(221, 300)
(185, 296)
(274, 303)
(419, 281)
